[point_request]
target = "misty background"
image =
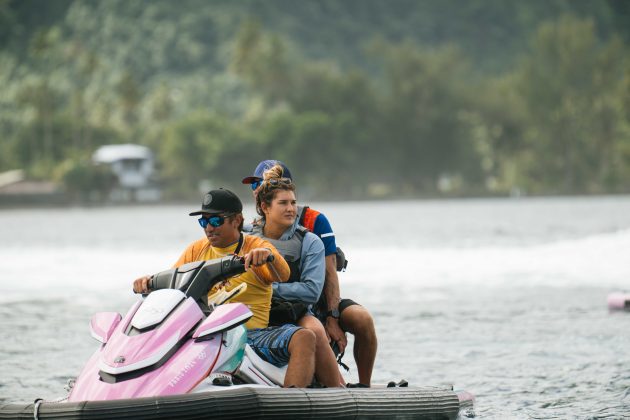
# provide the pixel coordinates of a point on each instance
(361, 98)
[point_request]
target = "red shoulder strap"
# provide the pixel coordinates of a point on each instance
(308, 218)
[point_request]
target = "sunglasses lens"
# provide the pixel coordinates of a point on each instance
(278, 181)
(255, 185)
(214, 221)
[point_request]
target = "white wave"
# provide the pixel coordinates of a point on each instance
(56, 273)
(595, 260)
(600, 260)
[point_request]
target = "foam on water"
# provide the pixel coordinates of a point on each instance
(594, 260)
(73, 271)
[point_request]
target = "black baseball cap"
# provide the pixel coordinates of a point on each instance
(219, 201)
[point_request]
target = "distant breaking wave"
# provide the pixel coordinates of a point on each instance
(600, 259)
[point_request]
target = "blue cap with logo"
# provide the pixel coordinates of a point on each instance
(264, 166)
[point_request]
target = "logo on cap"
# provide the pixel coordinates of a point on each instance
(207, 199)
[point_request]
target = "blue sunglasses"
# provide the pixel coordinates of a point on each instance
(214, 221)
(256, 184)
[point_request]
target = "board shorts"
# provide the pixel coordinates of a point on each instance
(343, 304)
(272, 343)
(321, 315)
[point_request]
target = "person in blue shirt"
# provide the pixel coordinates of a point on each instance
(339, 316)
(304, 253)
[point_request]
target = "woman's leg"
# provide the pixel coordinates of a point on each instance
(300, 368)
(326, 370)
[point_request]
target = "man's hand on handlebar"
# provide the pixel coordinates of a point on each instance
(141, 285)
(257, 257)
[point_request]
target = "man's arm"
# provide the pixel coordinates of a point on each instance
(323, 229)
(333, 296)
(276, 271)
(331, 284)
(193, 252)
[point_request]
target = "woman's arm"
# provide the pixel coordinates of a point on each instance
(313, 269)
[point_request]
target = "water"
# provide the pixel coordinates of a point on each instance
(503, 298)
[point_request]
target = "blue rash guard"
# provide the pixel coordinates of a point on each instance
(317, 223)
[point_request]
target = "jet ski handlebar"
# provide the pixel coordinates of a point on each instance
(197, 278)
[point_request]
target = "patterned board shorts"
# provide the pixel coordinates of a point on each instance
(272, 343)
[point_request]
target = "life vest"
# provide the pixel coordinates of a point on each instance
(306, 217)
(291, 249)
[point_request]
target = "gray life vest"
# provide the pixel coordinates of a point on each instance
(291, 249)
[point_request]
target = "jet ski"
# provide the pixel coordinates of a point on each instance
(619, 301)
(181, 354)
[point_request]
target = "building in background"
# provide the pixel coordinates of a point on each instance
(16, 190)
(134, 167)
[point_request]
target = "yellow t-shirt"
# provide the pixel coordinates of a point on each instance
(259, 279)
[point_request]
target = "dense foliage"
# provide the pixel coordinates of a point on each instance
(361, 98)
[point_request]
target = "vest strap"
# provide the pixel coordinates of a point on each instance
(240, 244)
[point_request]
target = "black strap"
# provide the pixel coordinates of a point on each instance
(240, 244)
(342, 364)
(301, 231)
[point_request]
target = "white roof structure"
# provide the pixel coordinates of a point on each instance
(131, 163)
(116, 152)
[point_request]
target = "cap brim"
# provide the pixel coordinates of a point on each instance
(207, 211)
(251, 179)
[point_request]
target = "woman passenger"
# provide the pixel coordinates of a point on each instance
(304, 251)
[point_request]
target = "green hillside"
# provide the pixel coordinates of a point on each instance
(363, 98)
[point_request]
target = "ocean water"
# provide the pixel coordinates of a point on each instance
(505, 298)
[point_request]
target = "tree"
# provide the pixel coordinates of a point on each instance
(424, 132)
(572, 86)
(262, 60)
